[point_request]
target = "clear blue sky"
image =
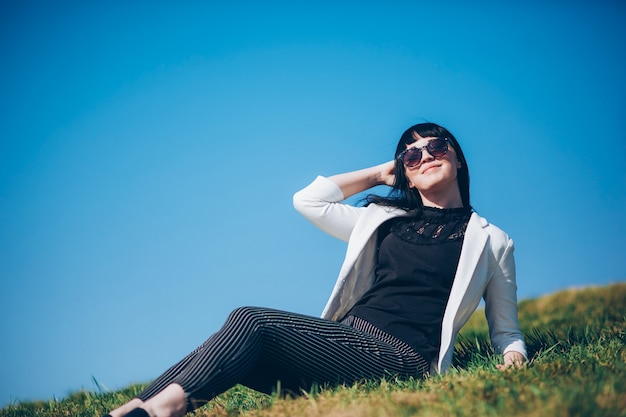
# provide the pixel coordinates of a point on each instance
(149, 154)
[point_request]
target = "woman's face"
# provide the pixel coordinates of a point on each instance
(435, 177)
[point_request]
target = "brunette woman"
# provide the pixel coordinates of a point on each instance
(417, 264)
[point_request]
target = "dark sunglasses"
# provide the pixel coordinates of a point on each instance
(411, 157)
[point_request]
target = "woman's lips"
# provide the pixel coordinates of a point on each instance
(429, 167)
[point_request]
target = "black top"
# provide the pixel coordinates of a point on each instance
(417, 260)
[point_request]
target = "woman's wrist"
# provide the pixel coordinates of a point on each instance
(386, 173)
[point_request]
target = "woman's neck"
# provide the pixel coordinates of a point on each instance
(444, 201)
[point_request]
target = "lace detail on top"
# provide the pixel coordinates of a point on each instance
(434, 226)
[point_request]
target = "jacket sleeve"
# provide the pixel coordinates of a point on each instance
(320, 203)
(501, 304)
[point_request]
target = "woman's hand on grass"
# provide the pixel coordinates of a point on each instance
(512, 360)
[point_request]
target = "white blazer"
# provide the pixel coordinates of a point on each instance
(486, 267)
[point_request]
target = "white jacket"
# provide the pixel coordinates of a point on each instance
(486, 267)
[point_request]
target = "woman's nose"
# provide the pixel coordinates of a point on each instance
(426, 156)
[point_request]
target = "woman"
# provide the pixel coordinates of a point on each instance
(418, 263)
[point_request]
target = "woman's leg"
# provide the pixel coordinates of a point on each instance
(257, 347)
(124, 409)
(170, 402)
(157, 386)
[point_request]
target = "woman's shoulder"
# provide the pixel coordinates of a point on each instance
(495, 233)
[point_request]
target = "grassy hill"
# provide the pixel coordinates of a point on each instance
(575, 341)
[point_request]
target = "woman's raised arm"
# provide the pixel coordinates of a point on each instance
(363, 179)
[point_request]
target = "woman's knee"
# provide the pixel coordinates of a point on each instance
(246, 316)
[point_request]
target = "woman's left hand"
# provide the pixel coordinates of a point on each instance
(512, 359)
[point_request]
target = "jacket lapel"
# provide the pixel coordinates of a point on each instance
(473, 247)
(469, 267)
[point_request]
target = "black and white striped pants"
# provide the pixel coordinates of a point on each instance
(257, 347)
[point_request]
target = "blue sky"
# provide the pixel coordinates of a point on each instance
(149, 154)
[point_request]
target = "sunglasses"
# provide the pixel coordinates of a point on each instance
(411, 157)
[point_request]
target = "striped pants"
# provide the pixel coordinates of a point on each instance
(257, 347)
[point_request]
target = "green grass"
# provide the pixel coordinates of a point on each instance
(578, 368)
